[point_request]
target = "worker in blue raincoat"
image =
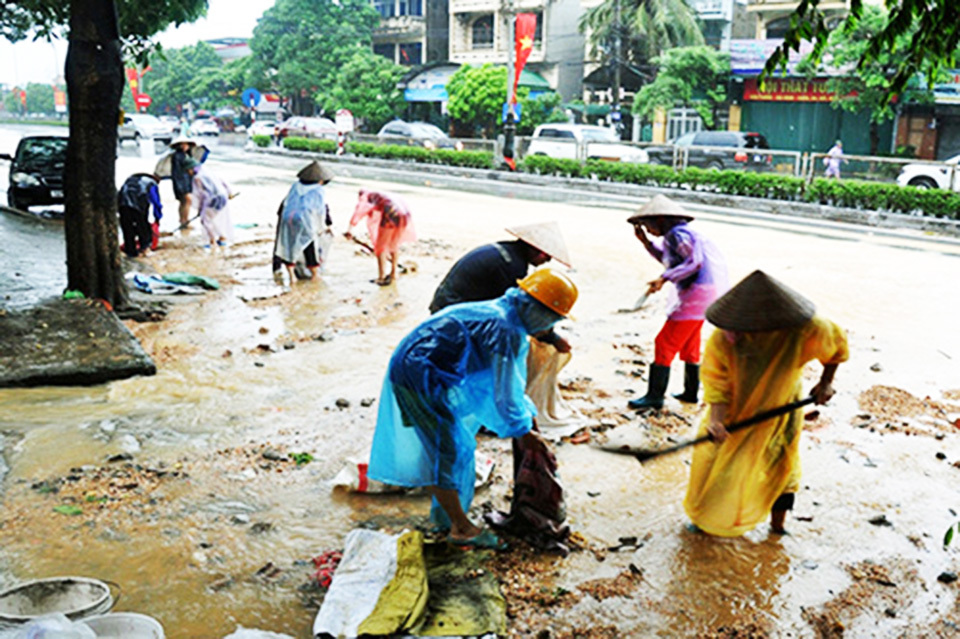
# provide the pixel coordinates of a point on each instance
(463, 367)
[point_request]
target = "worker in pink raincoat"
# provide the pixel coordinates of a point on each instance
(389, 225)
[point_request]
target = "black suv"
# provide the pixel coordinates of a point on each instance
(746, 150)
(36, 171)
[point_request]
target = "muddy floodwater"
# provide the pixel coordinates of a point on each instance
(184, 492)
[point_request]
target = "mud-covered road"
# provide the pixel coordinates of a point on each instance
(180, 487)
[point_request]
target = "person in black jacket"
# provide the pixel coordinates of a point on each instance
(182, 180)
(138, 193)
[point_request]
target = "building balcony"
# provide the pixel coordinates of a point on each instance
(790, 5)
(493, 6)
(493, 56)
(400, 26)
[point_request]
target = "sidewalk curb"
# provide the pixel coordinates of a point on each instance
(806, 210)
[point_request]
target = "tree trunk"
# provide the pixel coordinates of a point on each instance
(94, 82)
(874, 137)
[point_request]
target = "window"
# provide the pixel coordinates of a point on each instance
(411, 53)
(778, 28)
(386, 50)
(538, 34)
(482, 32)
(384, 7)
(410, 8)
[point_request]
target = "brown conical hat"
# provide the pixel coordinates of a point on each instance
(760, 303)
(546, 237)
(314, 173)
(659, 206)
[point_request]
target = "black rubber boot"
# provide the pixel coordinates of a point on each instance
(691, 384)
(656, 387)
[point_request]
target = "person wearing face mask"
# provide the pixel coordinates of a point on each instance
(462, 367)
(696, 268)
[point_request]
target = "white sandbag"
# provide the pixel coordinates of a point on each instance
(248, 633)
(555, 417)
(353, 477)
(369, 563)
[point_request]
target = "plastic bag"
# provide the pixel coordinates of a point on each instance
(54, 626)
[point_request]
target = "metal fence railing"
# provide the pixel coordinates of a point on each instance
(466, 144)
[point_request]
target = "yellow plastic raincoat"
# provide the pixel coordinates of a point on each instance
(733, 485)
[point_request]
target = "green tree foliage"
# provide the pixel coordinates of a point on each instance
(302, 43)
(191, 74)
(647, 28)
(862, 87)
(689, 76)
(39, 98)
(138, 20)
(476, 96)
(934, 27)
(367, 85)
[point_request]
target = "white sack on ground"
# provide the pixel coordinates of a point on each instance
(555, 417)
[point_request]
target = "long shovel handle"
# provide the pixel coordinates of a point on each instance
(744, 423)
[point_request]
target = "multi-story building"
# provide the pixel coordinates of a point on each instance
(722, 20)
(771, 18)
(479, 33)
(412, 32)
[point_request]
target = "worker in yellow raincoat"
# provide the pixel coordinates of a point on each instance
(753, 362)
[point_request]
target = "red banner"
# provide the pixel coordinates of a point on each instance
(133, 79)
(525, 28)
(787, 90)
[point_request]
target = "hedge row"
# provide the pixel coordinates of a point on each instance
(310, 144)
(449, 157)
(846, 193)
(262, 141)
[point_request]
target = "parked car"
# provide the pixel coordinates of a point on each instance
(205, 126)
(744, 153)
(262, 127)
(36, 171)
(300, 127)
(417, 134)
(172, 123)
(931, 176)
(137, 126)
(561, 141)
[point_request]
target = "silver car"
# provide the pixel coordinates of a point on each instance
(137, 126)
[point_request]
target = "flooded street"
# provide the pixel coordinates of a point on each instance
(206, 523)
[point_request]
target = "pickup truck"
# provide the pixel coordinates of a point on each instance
(745, 150)
(562, 141)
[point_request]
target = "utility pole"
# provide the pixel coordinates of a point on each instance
(617, 51)
(510, 127)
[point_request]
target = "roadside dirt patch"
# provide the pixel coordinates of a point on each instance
(877, 590)
(889, 409)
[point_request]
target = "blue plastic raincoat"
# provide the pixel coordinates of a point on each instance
(301, 221)
(462, 368)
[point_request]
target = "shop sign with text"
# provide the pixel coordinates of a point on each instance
(786, 90)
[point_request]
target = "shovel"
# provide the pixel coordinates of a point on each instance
(644, 455)
(636, 305)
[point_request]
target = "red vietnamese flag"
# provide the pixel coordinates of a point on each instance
(525, 28)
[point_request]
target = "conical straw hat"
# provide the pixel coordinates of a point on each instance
(760, 303)
(181, 140)
(546, 237)
(659, 206)
(315, 172)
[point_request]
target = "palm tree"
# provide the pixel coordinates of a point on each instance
(648, 27)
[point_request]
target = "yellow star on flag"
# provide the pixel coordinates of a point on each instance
(526, 42)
